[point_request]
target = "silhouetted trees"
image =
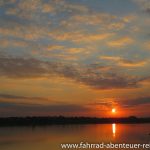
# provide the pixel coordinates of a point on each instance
(43, 121)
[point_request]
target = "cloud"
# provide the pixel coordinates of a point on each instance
(111, 58)
(39, 25)
(53, 47)
(121, 42)
(134, 102)
(131, 63)
(25, 99)
(104, 103)
(90, 18)
(28, 9)
(94, 76)
(62, 52)
(72, 7)
(21, 67)
(44, 27)
(47, 8)
(22, 109)
(116, 25)
(35, 20)
(4, 2)
(121, 102)
(36, 9)
(24, 32)
(125, 62)
(80, 36)
(76, 50)
(12, 43)
(144, 5)
(102, 21)
(12, 96)
(35, 31)
(147, 45)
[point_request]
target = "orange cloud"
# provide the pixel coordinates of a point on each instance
(124, 41)
(10, 43)
(127, 63)
(111, 58)
(80, 36)
(47, 8)
(89, 19)
(147, 45)
(25, 32)
(124, 62)
(53, 47)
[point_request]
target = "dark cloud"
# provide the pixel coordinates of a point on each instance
(144, 5)
(20, 109)
(13, 105)
(122, 102)
(26, 99)
(23, 108)
(92, 75)
(134, 102)
(102, 103)
(148, 10)
(20, 67)
(7, 96)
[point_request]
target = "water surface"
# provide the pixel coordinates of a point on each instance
(50, 137)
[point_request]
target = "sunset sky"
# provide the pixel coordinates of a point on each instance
(74, 57)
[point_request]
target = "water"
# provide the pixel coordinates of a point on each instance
(50, 138)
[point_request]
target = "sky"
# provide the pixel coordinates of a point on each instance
(74, 58)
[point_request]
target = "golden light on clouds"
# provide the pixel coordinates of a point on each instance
(75, 55)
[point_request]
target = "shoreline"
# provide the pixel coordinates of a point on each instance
(45, 121)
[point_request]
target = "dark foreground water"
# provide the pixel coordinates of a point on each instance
(50, 138)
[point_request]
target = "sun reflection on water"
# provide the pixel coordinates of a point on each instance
(114, 129)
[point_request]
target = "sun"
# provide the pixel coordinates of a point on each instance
(113, 110)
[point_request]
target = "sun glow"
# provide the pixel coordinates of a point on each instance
(113, 110)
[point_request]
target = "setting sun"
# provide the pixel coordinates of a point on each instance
(113, 110)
